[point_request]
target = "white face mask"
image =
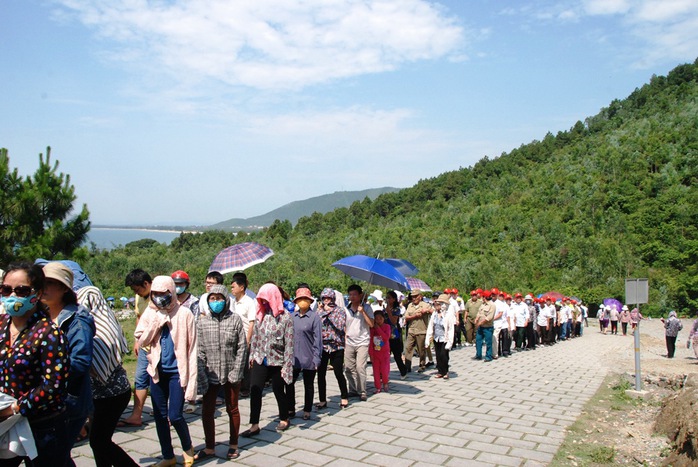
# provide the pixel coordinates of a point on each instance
(444, 307)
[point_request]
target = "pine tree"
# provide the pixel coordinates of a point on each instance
(35, 213)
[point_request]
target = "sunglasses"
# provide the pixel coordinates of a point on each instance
(20, 291)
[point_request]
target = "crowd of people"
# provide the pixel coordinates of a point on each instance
(61, 358)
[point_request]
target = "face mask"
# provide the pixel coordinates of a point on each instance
(444, 307)
(162, 301)
(217, 306)
(19, 306)
(180, 289)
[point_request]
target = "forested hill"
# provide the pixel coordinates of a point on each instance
(580, 211)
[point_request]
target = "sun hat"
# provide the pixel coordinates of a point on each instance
(443, 298)
(303, 292)
(378, 295)
(60, 272)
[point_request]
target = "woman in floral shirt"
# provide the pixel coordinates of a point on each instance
(33, 362)
(333, 319)
(271, 356)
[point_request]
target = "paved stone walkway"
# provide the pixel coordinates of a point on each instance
(511, 412)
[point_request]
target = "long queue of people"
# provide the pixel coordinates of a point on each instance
(60, 361)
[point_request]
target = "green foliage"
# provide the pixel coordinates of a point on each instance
(577, 212)
(34, 212)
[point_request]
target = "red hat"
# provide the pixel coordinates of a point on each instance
(455, 291)
(502, 293)
(479, 291)
(447, 290)
(518, 295)
(494, 291)
(473, 292)
(180, 276)
(486, 293)
(548, 298)
(574, 302)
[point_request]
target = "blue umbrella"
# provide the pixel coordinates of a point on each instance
(110, 299)
(373, 271)
(403, 266)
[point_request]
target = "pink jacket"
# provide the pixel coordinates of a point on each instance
(380, 334)
(182, 329)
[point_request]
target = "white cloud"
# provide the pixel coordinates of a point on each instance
(274, 44)
(662, 31)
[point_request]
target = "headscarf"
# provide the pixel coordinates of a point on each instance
(272, 295)
(672, 314)
(109, 340)
(329, 293)
(164, 284)
(222, 290)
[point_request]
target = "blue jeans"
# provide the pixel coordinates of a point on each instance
(167, 397)
(142, 379)
(486, 334)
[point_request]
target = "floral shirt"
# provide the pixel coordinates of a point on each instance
(272, 343)
(35, 369)
(333, 328)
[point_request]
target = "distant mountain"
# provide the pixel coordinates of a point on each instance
(297, 209)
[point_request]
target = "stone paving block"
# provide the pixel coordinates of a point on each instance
(343, 440)
(409, 433)
(379, 447)
(144, 446)
(438, 430)
(488, 447)
(425, 457)
(528, 430)
(456, 462)
(263, 460)
(345, 453)
(457, 453)
(372, 436)
(515, 442)
(345, 463)
(272, 449)
(339, 429)
(499, 433)
(498, 459)
(448, 440)
(532, 454)
(414, 444)
(298, 442)
(396, 423)
(466, 427)
(387, 461)
(549, 448)
(308, 457)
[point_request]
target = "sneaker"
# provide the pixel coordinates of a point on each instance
(363, 396)
(421, 370)
(403, 377)
(430, 364)
(189, 408)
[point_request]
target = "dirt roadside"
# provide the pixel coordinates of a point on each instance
(617, 429)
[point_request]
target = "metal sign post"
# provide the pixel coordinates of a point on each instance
(637, 292)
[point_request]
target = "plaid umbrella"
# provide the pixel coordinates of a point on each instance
(418, 284)
(240, 256)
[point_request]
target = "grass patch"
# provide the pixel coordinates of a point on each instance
(602, 455)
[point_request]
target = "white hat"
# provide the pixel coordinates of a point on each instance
(528, 297)
(378, 295)
(625, 307)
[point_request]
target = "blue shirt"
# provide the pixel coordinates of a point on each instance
(307, 340)
(168, 359)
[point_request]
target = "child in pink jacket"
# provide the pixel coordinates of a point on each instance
(379, 350)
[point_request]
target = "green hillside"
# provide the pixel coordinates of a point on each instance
(297, 209)
(613, 197)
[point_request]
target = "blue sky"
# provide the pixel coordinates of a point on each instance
(174, 111)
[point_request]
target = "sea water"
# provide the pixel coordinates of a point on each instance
(107, 239)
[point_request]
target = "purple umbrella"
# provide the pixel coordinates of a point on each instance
(613, 302)
(240, 256)
(418, 284)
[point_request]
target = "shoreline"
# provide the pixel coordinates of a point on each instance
(146, 229)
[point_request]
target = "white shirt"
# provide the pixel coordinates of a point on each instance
(246, 308)
(545, 313)
(358, 333)
(521, 314)
(501, 306)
